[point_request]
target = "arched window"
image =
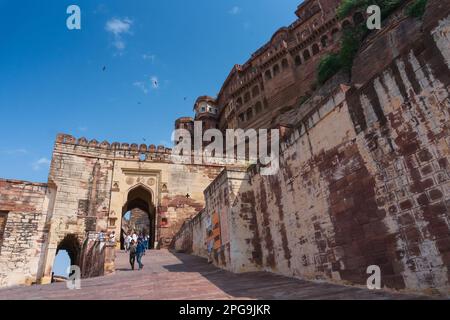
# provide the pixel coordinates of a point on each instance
(305, 34)
(276, 70)
(249, 114)
(242, 117)
(315, 49)
(315, 23)
(358, 18)
(334, 34)
(258, 107)
(268, 75)
(298, 60)
(247, 97)
(239, 102)
(324, 41)
(255, 91)
(284, 64)
(306, 55)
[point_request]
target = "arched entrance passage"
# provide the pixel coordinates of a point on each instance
(71, 245)
(141, 211)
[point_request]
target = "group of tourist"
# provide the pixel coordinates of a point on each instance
(136, 246)
(104, 237)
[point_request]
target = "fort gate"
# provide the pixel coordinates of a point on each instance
(91, 186)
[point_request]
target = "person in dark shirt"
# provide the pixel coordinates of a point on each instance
(140, 250)
(133, 250)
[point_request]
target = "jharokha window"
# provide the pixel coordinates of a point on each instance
(3, 218)
(315, 49)
(255, 91)
(247, 97)
(276, 70)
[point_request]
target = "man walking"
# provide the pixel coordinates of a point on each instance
(132, 254)
(140, 250)
(127, 242)
(209, 247)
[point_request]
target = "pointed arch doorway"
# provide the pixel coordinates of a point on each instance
(138, 214)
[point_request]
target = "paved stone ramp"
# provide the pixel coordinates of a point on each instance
(180, 276)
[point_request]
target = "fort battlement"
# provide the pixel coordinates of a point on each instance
(66, 139)
(68, 144)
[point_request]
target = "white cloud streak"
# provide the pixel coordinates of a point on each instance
(150, 57)
(42, 162)
(118, 27)
(13, 152)
(235, 10)
(141, 85)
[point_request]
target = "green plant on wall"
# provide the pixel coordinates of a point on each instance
(417, 8)
(386, 6)
(350, 43)
(353, 36)
(348, 6)
(329, 65)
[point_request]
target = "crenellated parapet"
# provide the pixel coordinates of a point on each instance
(68, 144)
(66, 139)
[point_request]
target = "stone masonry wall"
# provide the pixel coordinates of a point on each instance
(23, 247)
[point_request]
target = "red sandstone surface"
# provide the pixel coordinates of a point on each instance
(168, 276)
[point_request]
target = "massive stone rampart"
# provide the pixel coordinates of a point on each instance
(365, 173)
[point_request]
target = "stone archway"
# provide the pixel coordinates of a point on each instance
(140, 202)
(71, 245)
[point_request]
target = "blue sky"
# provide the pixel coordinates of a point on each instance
(156, 54)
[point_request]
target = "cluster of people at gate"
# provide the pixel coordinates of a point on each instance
(136, 246)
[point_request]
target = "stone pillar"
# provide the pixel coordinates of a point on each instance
(48, 268)
(110, 257)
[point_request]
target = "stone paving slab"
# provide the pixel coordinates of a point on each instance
(168, 276)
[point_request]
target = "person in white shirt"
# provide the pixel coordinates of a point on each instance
(112, 237)
(128, 239)
(135, 237)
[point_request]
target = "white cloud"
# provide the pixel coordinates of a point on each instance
(141, 85)
(150, 57)
(37, 165)
(119, 44)
(119, 27)
(14, 152)
(83, 129)
(235, 10)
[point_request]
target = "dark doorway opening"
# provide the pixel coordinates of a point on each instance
(67, 254)
(138, 215)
